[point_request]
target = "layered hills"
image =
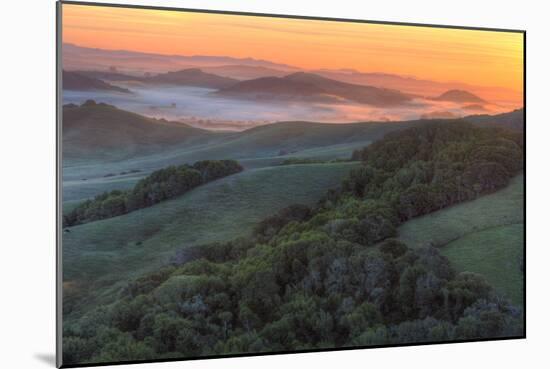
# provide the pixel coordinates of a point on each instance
(313, 87)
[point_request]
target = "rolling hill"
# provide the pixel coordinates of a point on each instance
(101, 131)
(82, 182)
(503, 246)
(473, 233)
(274, 88)
(312, 87)
(191, 77)
(244, 72)
(287, 137)
(123, 141)
(109, 75)
(257, 147)
(186, 77)
(80, 57)
(459, 96)
(513, 120)
(80, 82)
(359, 93)
(414, 86)
(145, 239)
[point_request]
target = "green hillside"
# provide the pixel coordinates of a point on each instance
(309, 277)
(119, 141)
(496, 253)
(79, 189)
(484, 236)
(102, 132)
(252, 147)
(145, 239)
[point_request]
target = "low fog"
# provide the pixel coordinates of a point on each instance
(197, 107)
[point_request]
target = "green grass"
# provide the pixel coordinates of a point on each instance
(338, 151)
(265, 142)
(496, 253)
(483, 236)
(441, 227)
(104, 255)
(77, 189)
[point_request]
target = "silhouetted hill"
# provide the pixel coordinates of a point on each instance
(512, 120)
(244, 72)
(80, 82)
(79, 57)
(192, 77)
(101, 131)
(312, 87)
(439, 114)
(94, 130)
(187, 77)
(359, 93)
(459, 96)
(109, 76)
(272, 87)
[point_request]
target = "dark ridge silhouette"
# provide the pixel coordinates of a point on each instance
(312, 87)
(80, 82)
(186, 77)
(512, 120)
(109, 76)
(459, 96)
(191, 77)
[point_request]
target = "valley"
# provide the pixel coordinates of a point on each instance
(146, 239)
(295, 185)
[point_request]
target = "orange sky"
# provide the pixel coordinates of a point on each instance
(476, 57)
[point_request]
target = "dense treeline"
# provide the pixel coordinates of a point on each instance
(160, 185)
(328, 276)
(430, 167)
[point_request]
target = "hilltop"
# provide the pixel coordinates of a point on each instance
(98, 130)
(191, 77)
(80, 82)
(312, 87)
(459, 96)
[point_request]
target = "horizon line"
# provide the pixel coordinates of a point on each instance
(353, 70)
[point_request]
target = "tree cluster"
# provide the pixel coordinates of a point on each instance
(159, 186)
(428, 168)
(324, 277)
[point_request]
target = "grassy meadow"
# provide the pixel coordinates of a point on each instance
(109, 252)
(326, 236)
(497, 254)
(484, 235)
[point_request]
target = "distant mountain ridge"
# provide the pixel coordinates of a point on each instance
(513, 120)
(109, 75)
(309, 86)
(80, 82)
(139, 63)
(100, 131)
(79, 57)
(191, 77)
(244, 72)
(459, 96)
(185, 77)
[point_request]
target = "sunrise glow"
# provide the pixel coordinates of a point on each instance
(438, 54)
